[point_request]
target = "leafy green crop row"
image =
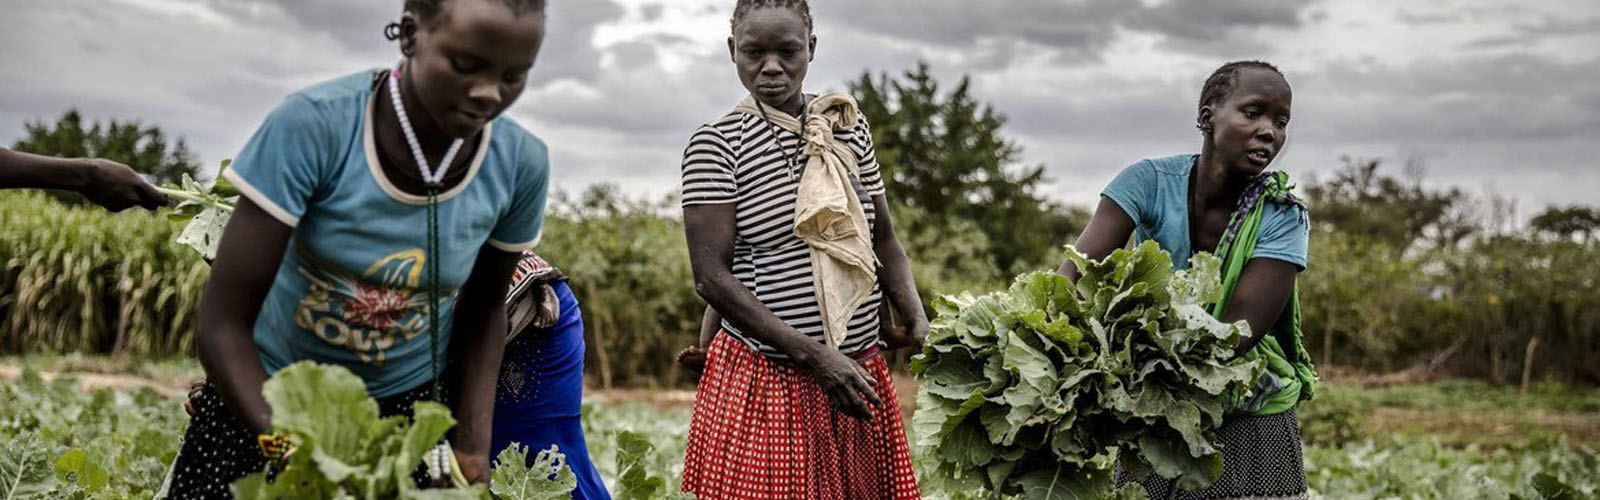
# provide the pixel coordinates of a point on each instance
(128, 437)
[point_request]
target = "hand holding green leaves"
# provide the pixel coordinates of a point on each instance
(206, 208)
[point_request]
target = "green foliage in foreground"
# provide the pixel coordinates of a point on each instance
(132, 435)
(341, 447)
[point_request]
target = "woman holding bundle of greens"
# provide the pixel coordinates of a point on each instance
(383, 213)
(789, 237)
(1224, 201)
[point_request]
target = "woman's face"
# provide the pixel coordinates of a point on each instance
(772, 48)
(1250, 125)
(472, 62)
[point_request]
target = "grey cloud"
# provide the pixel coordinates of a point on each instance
(1185, 22)
(1562, 26)
(653, 12)
(1077, 32)
(1459, 14)
(358, 25)
(1505, 97)
(568, 50)
(353, 23)
(1497, 42)
(1546, 28)
(1430, 18)
(643, 101)
(1078, 29)
(199, 78)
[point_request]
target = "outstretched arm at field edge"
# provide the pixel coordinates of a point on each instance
(1263, 291)
(476, 348)
(895, 274)
(106, 183)
(710, 232)
(1107, 231)
(247, 260)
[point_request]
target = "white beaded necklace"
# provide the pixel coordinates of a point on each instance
(440, 459)
(429, 176)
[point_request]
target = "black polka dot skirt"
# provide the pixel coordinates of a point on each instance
(1261, 460)
(219, 448)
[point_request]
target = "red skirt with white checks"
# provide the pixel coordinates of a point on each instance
(764, 430)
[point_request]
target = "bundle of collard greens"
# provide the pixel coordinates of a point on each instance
(342, 449)
(1038, 389)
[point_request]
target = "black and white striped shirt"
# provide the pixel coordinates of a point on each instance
(743, 160)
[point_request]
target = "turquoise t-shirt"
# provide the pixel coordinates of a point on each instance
(1155, 193)
(351, 290)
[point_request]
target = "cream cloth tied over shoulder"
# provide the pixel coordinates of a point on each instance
(827, 211)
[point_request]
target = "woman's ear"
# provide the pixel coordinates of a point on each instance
(813, 49)
(732, 55)
(408, 34)
(1203, 121)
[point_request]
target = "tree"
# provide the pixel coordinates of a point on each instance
(1399, 212)
(144, 148)
(942, 152)
(1576, 220)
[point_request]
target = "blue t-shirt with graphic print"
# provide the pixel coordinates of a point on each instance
(1155, 193)
(352, 288)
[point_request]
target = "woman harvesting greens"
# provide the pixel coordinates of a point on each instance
(1224, 201)
(383, 213)
(539, 399)
(789, 237)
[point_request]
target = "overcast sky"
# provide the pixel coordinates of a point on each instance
(1491, 95)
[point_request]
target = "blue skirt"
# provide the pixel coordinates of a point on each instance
(539, 398)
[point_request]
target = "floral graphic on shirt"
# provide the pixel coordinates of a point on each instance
(376, 307)
(367, 314)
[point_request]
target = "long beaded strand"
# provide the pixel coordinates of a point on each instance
(433, 180)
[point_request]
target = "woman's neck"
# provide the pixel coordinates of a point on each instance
(795, 106)
(395, 153)
(1216, 184)
(430, 136)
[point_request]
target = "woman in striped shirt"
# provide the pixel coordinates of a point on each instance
(792, 403)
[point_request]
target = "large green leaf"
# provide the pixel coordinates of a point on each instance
(76, 467)
(547, 477)
(1063, 482)
(326, 406)
(1172, 460)
(24, 468)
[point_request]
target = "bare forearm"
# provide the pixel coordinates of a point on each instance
(710, 323)
(738, 305)
(898, 282)
(231, 362)
(474, 370)
(31, 171)
(1264, 289)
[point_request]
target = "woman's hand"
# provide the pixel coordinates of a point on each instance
(846, 383)
(918, 331)
(474, 466)
(116, 187)
(692, 358)
(896, 337)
